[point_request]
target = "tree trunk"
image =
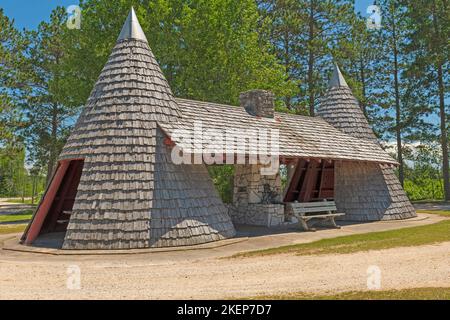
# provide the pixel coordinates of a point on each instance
(287, 67)
(53, 147)
(33, 188)
(362, 103)
(398, 131)
(311, 60)
(444, 135)
(442, 113)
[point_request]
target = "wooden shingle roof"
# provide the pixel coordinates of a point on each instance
(299, 136)
(130, 193)
(366, 192)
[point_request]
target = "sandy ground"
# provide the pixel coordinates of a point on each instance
(140, 278)
(205, 274)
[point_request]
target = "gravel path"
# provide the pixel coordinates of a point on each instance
(13, 208)
(140, 278)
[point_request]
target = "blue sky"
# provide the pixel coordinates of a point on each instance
(28, 13)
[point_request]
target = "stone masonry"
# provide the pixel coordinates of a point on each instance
(256, 198)
(259, 103)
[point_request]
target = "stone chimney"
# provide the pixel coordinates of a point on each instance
(259, 103)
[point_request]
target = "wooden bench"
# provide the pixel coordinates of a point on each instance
(306, 211)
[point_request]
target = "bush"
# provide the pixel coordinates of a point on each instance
(424, 189)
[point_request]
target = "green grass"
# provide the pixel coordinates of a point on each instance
(23, 216)
(16, 228)
(405, 294)
(406, 237)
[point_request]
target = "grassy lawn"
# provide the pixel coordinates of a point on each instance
(406, 294)
(16, 228)
(407, 237)
(23, 216)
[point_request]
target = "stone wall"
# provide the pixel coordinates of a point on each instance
(256, 198)
(251, 187)
(266, 215)
(258, 103)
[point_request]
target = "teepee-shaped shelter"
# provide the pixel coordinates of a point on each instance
(116, 186)
(366, 191)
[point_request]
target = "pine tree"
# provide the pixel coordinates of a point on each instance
(207, 49)
(430, 25)
(45, 95)
(314, 27)
(12, 44)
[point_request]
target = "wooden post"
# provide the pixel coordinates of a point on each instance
(41, 214)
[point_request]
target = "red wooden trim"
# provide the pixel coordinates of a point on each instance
(39, 218)
(70, 173)
(309, 182)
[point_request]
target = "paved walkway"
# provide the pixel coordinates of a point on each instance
(7, 208)
(433, 206)
(248, 239)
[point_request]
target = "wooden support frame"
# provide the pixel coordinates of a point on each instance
(42, 211)
(313, 180)
(62, 194)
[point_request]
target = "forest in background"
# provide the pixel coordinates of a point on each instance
(214, 49)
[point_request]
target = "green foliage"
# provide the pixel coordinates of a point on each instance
(207, 49)
(424, 179)
(46, 96)
(213, 50)
(222, 177)
(424, 188)
(12, 45)
(303, 34)
(15, 180)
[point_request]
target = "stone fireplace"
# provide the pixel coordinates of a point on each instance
(257, 198)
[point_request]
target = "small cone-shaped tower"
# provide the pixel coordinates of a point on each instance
(365, 192)
(130, 193)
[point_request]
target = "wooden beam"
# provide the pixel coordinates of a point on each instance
(293, 190)
(309, 182)
(62, 195)
(39, 218)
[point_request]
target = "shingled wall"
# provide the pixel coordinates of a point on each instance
(130, 194)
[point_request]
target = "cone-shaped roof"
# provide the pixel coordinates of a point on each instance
(337, 80)
(340, 108)
(131, 91)
(132, 29)
(366, 192)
